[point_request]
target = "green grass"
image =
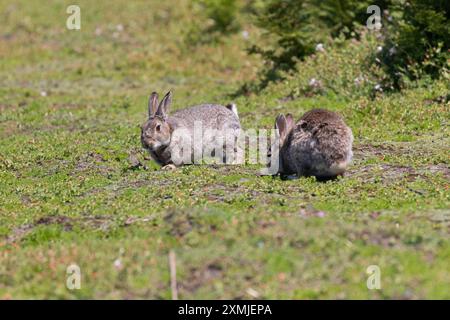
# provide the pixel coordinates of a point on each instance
(68, 193)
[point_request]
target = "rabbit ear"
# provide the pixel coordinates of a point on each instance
(281, 126)
(152, 104)
(289, 122)
(164, 105)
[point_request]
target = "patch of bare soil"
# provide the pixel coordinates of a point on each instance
(92, 161)
(4, 107)
(9, 128)
(364, 151)
(198, 277)
(438, 168)
(99, 222)
(390, 172)
(20, 232)
(378, 238)
(180, 224)
(441, 218)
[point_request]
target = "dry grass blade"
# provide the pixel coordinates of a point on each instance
(173, 275)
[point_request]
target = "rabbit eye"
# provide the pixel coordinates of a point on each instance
(158, 127)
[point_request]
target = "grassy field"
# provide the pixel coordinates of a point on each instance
(71, 105)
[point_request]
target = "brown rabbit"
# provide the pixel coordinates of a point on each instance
(319, 144)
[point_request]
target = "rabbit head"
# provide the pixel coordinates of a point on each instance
(156, 131)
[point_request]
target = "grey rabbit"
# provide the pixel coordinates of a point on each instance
(167, 136)
(319, 144)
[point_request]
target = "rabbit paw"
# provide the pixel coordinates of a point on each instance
(169, 167)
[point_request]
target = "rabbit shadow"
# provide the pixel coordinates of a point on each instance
(321, 179)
